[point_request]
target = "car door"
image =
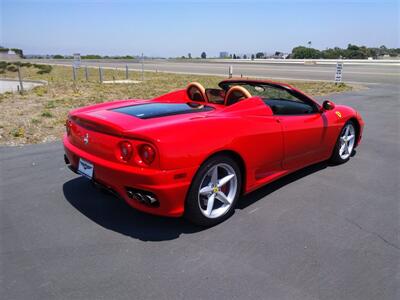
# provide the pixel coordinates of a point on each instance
(303, 137)
(303, 126)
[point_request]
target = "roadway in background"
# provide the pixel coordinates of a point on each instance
(280, 70)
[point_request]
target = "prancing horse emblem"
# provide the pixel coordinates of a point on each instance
(86, 139)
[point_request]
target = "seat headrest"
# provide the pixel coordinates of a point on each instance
(196, 92)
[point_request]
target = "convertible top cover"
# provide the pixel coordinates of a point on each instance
(156, 110)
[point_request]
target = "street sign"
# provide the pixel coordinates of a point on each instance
(77, 60)
(339, 69)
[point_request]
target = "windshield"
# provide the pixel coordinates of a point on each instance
(281, 99)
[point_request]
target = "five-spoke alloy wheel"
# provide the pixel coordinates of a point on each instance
(217, 190)
(345, 144)
(214, 191)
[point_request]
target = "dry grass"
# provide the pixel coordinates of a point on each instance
(39, 114)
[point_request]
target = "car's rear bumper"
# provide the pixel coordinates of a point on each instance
(168, 186)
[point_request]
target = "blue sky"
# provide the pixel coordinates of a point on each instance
(172, 28)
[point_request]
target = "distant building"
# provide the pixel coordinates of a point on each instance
(223, 54)
(10, 54)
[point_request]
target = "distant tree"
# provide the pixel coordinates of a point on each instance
(58, 56)
(183, 57)
(309, 44)
(373, 52)
(259, 55)
(19, 52)
(356, 52)
(301, 52)
(234, 56)
(352, 47)
(252, 57)
(245, 56)
(92, 56)
(394, 52)
(125, 57)
(333, 53)
(190, 55)
(203, 55)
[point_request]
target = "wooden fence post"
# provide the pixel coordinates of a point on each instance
(86, 73)
(74, 73)
(101, 75)
(20, 80)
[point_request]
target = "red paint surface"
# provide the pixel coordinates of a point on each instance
(269, 146)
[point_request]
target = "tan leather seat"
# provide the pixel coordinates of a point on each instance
(196, 92)
(236, 94)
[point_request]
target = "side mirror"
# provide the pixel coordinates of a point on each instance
(328, 105)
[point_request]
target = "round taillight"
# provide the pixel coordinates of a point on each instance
(147, 153)
(126, 150)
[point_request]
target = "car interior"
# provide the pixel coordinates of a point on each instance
(281, 100)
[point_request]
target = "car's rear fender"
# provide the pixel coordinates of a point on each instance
(256, 140)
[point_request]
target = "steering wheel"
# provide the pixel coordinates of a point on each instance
(196, 92)
(236, 94)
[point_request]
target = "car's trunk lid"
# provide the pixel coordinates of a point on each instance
(99, 131)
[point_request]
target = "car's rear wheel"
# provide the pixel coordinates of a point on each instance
(214, 191)
(345, 144)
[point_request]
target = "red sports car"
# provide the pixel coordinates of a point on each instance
(194, 151)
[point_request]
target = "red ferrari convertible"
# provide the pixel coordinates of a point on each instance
(195, 151)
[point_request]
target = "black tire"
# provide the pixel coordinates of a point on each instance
(335, 158)
(192, 208)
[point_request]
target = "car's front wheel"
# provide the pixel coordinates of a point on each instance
(345, 144)
(214, 191)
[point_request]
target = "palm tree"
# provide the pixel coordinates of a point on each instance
(309, 44)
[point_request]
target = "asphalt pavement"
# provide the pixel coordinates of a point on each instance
(325, 232)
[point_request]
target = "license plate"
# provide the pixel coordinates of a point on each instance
(85, 168)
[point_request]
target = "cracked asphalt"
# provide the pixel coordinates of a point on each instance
(321, 233)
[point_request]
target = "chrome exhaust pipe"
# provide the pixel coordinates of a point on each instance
(139, 197)
(142, 197)
(150, 200)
